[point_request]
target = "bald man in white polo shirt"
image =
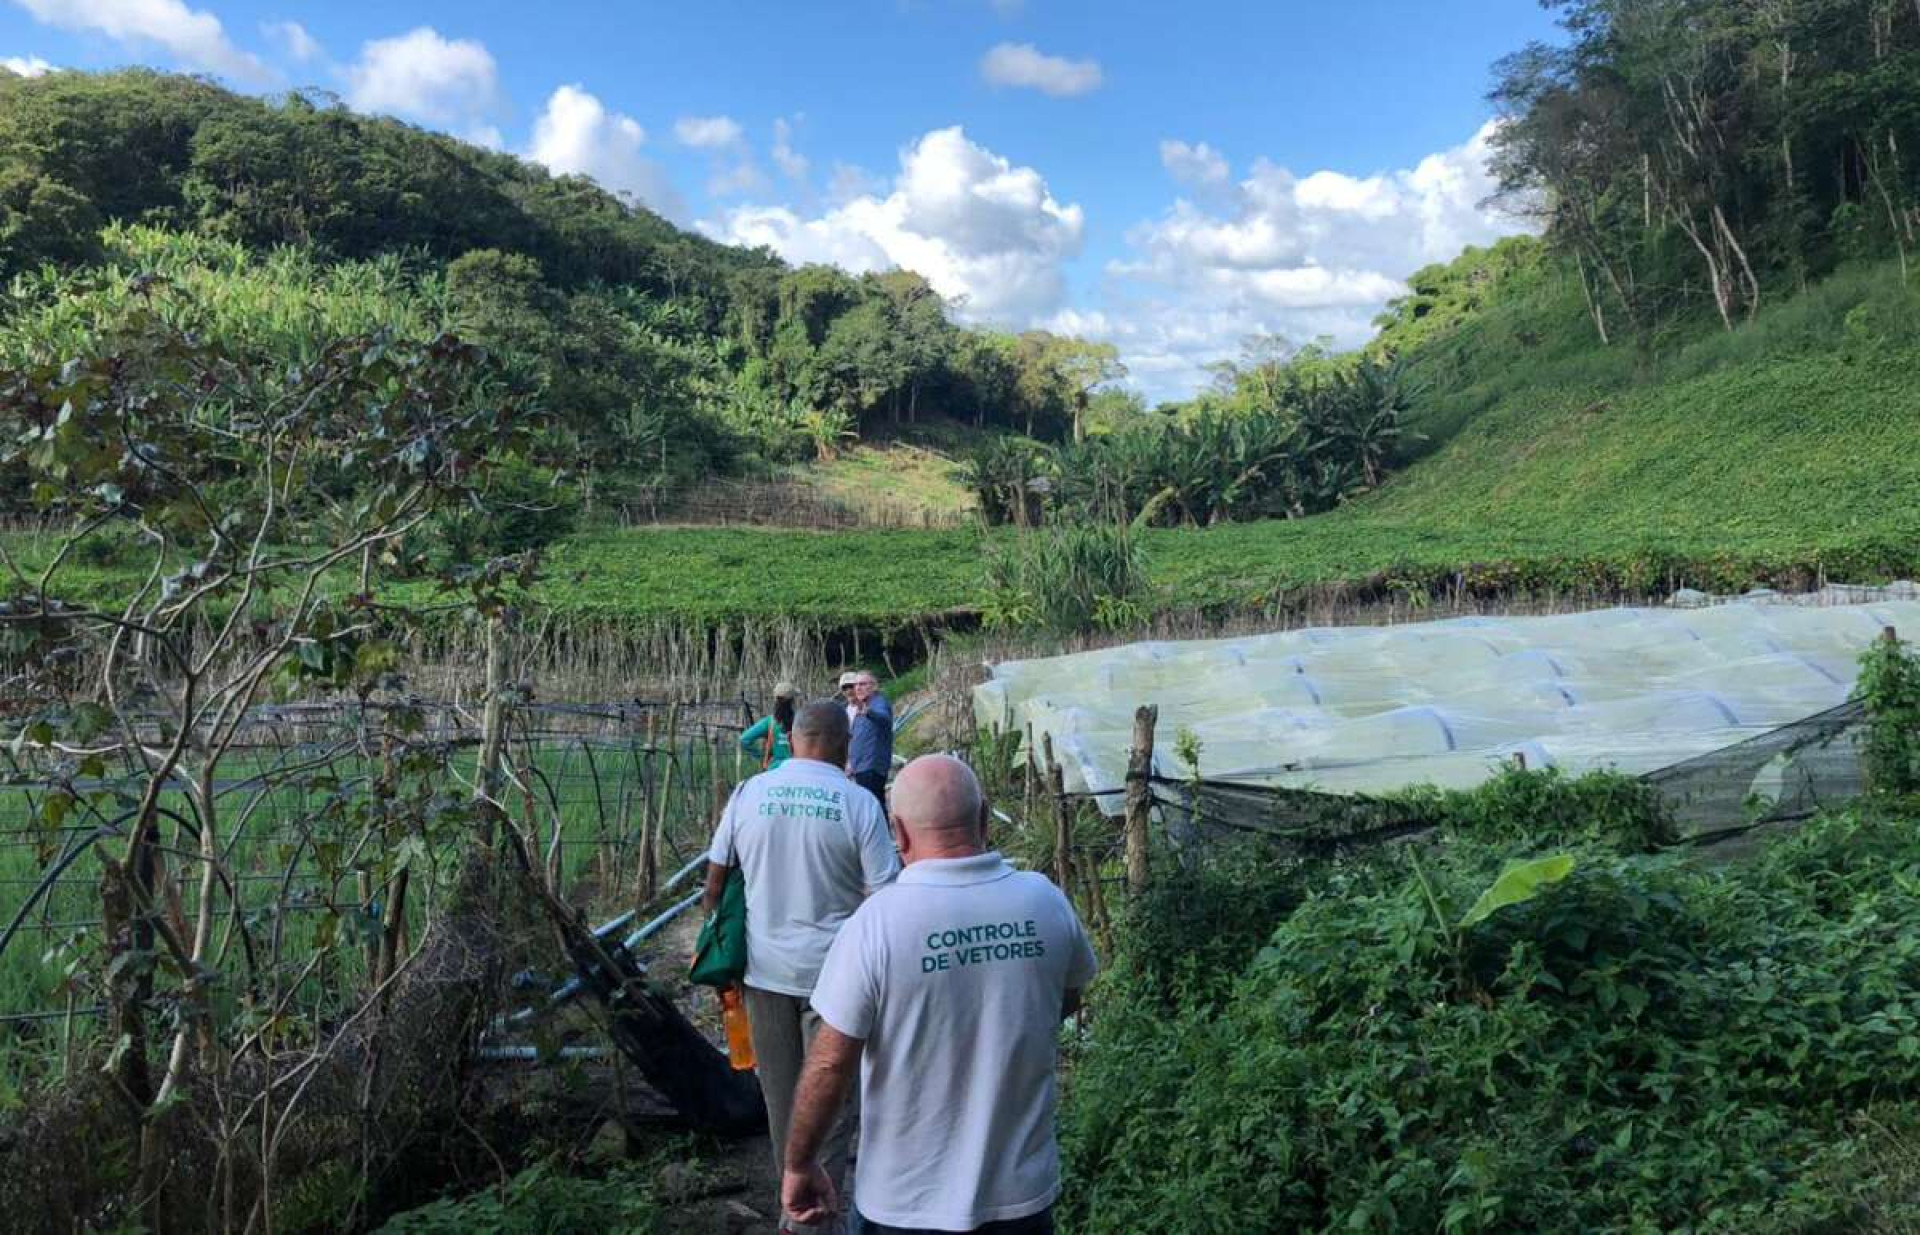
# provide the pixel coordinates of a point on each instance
(947, 988)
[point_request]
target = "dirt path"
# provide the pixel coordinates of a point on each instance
(733, 1188)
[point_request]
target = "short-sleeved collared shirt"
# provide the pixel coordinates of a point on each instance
(954, 977)
(811, 844)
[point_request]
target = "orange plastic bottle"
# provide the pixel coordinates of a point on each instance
(733, 1014)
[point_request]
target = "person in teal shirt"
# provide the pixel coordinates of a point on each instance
(779, 725)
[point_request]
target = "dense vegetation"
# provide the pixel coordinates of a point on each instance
(1316, 436)
(1649, 1044)
(662, 357)
(1686, 153)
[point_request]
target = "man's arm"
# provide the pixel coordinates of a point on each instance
(716, 883)
(806, 1190)
(1071, 1003)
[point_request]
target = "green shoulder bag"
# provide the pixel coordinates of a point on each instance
(720, 954)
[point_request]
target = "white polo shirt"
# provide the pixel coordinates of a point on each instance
(954, 976)
(810, 844)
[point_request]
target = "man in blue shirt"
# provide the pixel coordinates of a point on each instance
(870, 757)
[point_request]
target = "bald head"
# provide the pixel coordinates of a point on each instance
(939, 808)
(820, 732)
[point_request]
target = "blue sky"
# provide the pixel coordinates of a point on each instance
(1172, 178)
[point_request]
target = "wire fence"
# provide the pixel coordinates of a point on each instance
(624, 795)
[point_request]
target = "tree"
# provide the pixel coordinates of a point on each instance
(43, 221)
(266, 504)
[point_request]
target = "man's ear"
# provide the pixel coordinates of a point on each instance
(901, 838)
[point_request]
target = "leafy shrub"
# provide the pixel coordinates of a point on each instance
(1197, 925)
(1067, 577)
(541, 1200)
(523, 508)
(1889, 686)
(1648, 1044)
(1545, 808)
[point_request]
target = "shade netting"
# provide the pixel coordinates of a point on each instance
(1670, 693)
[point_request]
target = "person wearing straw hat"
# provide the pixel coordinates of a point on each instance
(770, 739)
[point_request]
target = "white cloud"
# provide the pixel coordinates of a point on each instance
(850, 180)
(292, 38)
(1022, 65)
(576, 135)
(985, 233)
(194, 38)
(736, 179)
(424, 76)
(1200, 165)
(707, 132)
(791, 162)
(1301, 256)
(26, 66)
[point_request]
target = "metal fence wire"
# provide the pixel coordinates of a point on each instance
(626, 793)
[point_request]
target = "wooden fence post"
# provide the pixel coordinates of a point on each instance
(493, 732)
(1027, 787)
(1139, 796)
(1062, 820)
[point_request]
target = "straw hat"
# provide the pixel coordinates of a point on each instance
(786, 690)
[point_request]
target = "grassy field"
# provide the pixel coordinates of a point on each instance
(1780, 453)
(920, 472)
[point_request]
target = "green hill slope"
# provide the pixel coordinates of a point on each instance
(1780, 454)
(1783, 453)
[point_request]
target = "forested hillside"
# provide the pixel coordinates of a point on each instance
(659, 356)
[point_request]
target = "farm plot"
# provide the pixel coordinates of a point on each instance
(317, 895)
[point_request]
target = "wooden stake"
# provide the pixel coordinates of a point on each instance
(1063, 821)
(1139, 796)
(1027, 777)
(493, 731)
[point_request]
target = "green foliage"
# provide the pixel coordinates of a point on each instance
(43, 221)
(1520, 808)
(517, 508)
(542, 1200)
(1066, 577)
(1643, 1044)
(1889, 687)
(1519, 883)
(1669, 146)
(663, 357)
(1186, 939)
(1301, 442)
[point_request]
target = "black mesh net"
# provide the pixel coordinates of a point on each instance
(1786, 773)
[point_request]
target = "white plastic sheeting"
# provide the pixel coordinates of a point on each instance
(1366, 709)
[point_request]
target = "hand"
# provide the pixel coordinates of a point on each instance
(809, 1195)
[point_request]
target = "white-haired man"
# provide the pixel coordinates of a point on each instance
(947, 989)
(870, 754)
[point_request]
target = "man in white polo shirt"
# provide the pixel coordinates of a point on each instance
(811, 846)
(947, 988)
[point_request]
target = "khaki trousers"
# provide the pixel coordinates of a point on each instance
(783, 1027)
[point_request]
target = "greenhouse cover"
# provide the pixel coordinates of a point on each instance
(1369, 709)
